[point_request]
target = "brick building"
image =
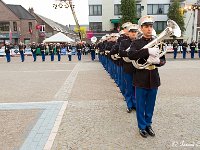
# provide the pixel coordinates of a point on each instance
(16, 24)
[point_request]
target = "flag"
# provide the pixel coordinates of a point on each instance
(10, 36)
(30, 31)
(38, 27)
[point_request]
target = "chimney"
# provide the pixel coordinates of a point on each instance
(31, 10)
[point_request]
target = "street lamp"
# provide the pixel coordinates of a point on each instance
(67, 4)
(193, 7)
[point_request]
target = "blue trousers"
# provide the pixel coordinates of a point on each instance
(122, 82)
(175, 53)
(22, 56)
(184, 53)
(145, 102)
(52, 56)
(129, 91)
(43, 56)
(199, 53)
(192, 53)
(34, 56)
(92, 54)
(8, 57)
(79, 56)
(70, 57)
(59, 57)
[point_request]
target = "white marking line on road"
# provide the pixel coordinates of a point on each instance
(63, 95)
(40, 71)
(54, 130)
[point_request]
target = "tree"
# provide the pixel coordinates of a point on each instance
(128, 9)
(175, 13)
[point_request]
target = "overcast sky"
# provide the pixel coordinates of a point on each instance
(61, 15)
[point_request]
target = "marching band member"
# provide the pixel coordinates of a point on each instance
(79, 48)
(185, 45)
(42, 50)
(123, 35)
(58, 51)
(51, 51)
(69, 51)
(33, 50)
(146, 81)
(192, 47)
(128, 68)
(21, 50)
(92, 51)
(175, 47)
(7, 51)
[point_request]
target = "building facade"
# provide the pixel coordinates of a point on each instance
(16, 24)
(20, 25)
(104, 15)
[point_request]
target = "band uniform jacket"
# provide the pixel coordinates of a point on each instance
(7, 49)
(109, 46)
(33, 48)
(51, 49)
(192, 45)
(185, 45)
(22, 47)
(128, 67)
(115, 50)
(69, 49)
(92, 47)
(42, 48)
(144, 78)
(175, 46)
(79, 48)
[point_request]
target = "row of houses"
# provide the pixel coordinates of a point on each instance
(20, 25)
(104, 15)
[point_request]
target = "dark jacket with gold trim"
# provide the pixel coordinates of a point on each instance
(144, 78)
(127, 67)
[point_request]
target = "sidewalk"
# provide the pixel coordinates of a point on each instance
(96, 117)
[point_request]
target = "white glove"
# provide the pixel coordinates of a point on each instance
(153, 60)
(154, 52)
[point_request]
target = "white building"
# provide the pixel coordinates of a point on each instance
(104, 15)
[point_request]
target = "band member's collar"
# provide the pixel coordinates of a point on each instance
(147, 39)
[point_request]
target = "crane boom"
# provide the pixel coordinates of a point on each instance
(75, 18)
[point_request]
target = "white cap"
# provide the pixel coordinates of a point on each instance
(125, 25)
(121, 32)
(133, 27)
(146, 20)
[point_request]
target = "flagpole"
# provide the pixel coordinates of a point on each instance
(10, 35)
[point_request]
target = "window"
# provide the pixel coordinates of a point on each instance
(95, 10)
(42, 28)
(160, 25)
(30, 26)
(157, 9)
(4, 26)
(95, 26)
(15, 26)
(138, 10)
(117, 9)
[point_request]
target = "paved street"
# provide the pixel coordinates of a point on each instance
(76, 106)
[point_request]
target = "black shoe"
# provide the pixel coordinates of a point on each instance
(150, 131)
(134, 108)
(128, 110)
(143, 133)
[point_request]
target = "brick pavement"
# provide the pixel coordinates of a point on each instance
(95, 116)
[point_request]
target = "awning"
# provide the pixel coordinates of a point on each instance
(114, 20)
